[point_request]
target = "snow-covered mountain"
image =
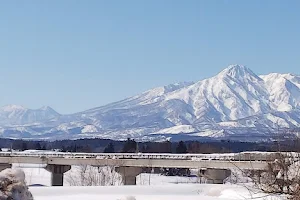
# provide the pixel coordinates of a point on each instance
(283, 90)
(18, 115)
(236, 104)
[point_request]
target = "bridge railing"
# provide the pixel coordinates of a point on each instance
(243, 156)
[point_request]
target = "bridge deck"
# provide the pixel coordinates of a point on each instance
(217, 161)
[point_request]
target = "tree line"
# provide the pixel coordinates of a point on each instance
(132, 146)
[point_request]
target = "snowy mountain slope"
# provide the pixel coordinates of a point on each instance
(149, 97)
(233, 104)
(18, 115)
(178, 130)
(284, 90)
(234, 93)
(273, 120)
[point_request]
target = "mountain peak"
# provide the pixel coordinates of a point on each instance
(19, 115)
(237, 66)
(12, 107)
(46, 108)
(238, 71)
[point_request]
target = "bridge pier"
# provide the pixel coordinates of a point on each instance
(215, 176)
(57, 173)
(129, 174)
(4, 166)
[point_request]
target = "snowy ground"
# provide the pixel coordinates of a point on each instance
(163, 192)
(160, 188)
(36, 174)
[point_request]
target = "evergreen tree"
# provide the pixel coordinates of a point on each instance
(38, 146)
(110, 148)
(130, 146)
(43, 147)
(74, 148)
(181, 147)
(87, 149)
(145, 148)
(63, 149)
(24, 146)
(167, 147)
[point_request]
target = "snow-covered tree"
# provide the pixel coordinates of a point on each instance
(13, 186)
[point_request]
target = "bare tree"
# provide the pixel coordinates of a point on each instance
(85, 175)
(282, 176)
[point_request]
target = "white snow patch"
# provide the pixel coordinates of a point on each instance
(89, 129)
(177, 130)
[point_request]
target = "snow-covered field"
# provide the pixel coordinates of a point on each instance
(149, 187)
(162, 192)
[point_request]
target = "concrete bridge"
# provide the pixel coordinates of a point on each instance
(215, 167)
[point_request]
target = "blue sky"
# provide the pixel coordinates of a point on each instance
(75, 55)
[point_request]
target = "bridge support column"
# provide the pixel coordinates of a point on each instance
(215, 176)
(4, 166)
(129, 174)
(57, 173)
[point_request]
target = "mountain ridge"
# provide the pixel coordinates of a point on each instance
(232, 104)
(20, 115)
